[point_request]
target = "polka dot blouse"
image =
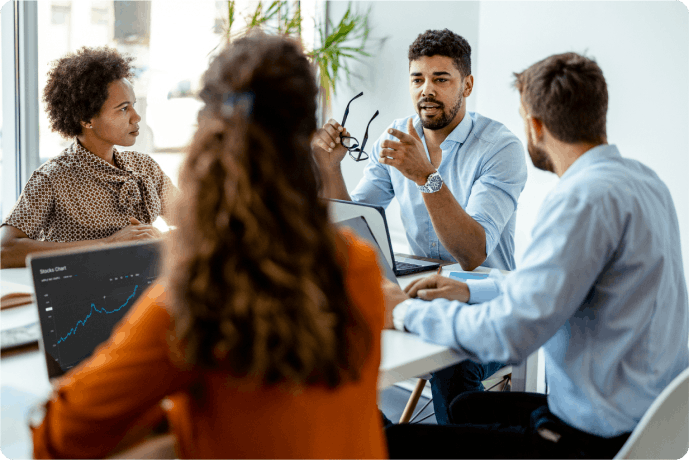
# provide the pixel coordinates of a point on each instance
(79, 196)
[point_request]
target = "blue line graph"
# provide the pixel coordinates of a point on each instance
(94, 308)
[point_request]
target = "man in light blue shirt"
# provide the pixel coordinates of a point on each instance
(601, 289)
(457, 176)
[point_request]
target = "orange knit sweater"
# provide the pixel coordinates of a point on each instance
(120, 388)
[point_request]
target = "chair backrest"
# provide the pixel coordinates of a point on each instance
(663, 431)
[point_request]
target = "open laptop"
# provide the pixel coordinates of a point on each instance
(81, 295)
(375, 218)
(361, 228)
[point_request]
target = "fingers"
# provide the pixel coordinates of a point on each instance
(402, 136)
(411, 130)
(434, 293)
(134, 221)
(423, 283)
(390, 144)
(321, 144)
(394, 162)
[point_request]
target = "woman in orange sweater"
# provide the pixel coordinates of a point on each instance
(263, 337)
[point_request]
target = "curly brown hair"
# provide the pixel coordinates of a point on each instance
(78, 86)
(255, 270)
(443, 43)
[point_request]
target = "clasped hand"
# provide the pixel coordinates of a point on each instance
(429, 288)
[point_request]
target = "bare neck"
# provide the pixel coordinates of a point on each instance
(563, 155)
(98, 147)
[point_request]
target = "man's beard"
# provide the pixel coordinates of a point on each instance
(539, 157)
(444, 119)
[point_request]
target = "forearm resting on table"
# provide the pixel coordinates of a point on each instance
(463, 237)
(15, 245)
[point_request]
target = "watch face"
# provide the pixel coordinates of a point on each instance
(433, 183)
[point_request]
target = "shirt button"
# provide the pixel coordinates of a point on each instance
(433, 244)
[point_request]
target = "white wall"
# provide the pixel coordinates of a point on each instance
(643, 49)
(385, 75)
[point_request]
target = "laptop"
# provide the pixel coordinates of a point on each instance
(81, 295)
(375, 218)
(361, 228)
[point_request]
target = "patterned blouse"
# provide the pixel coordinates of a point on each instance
(79, 196)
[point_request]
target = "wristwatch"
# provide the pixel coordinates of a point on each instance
(433, 183)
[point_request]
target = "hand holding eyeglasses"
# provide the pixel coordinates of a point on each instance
(334, 140)
(407, 155)
(328, 145)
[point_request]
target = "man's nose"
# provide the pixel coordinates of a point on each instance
(428, 89)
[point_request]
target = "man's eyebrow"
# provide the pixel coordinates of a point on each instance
(441, 72)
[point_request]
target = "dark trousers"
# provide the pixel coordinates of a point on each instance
(499, 425)
(448, 383)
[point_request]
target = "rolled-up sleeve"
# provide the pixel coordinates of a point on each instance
(32, 211)
(375, 187)
(494, 195)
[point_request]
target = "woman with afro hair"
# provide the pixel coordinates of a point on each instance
(91, 193)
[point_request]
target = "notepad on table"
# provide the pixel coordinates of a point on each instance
(464, 276)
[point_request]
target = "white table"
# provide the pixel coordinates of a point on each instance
(24, 379)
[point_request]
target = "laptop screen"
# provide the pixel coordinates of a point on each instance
(82, 295)
(361, 228)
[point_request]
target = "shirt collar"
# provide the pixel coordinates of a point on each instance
(598, 153)
(458, 135)
(94, 160)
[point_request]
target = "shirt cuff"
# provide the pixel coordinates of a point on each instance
(482, 290)
(399, 313)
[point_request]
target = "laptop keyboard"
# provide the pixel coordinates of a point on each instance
(402, 266)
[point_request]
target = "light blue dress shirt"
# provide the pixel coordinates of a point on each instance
(484, 167)
(601, 288)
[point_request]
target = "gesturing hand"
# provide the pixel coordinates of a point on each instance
(407, 154)
(438, 287)
(327, 146)
(134, 231)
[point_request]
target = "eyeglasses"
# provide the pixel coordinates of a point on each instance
(350, 143)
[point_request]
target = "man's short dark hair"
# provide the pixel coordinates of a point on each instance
(568, 93)
(78, 86)
(443, 43)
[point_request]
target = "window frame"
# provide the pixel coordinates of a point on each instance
(19, 47)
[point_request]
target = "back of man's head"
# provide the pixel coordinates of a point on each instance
(443, 43)
(568, 93)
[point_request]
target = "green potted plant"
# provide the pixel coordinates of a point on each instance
(338, 43)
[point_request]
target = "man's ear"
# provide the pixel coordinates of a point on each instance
(468, 85)
(536, 127)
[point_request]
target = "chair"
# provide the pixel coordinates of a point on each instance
(520, 377)
(503, 376)
(663, 431)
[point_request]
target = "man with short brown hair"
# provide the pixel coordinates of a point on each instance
(601, 288)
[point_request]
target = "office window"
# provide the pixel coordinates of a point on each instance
(2, 190)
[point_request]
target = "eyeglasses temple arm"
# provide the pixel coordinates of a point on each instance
(344, 118)
(363, 143)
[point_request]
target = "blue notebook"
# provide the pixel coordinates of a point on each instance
(463, 276)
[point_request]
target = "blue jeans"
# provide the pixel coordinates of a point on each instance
(448, 383)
